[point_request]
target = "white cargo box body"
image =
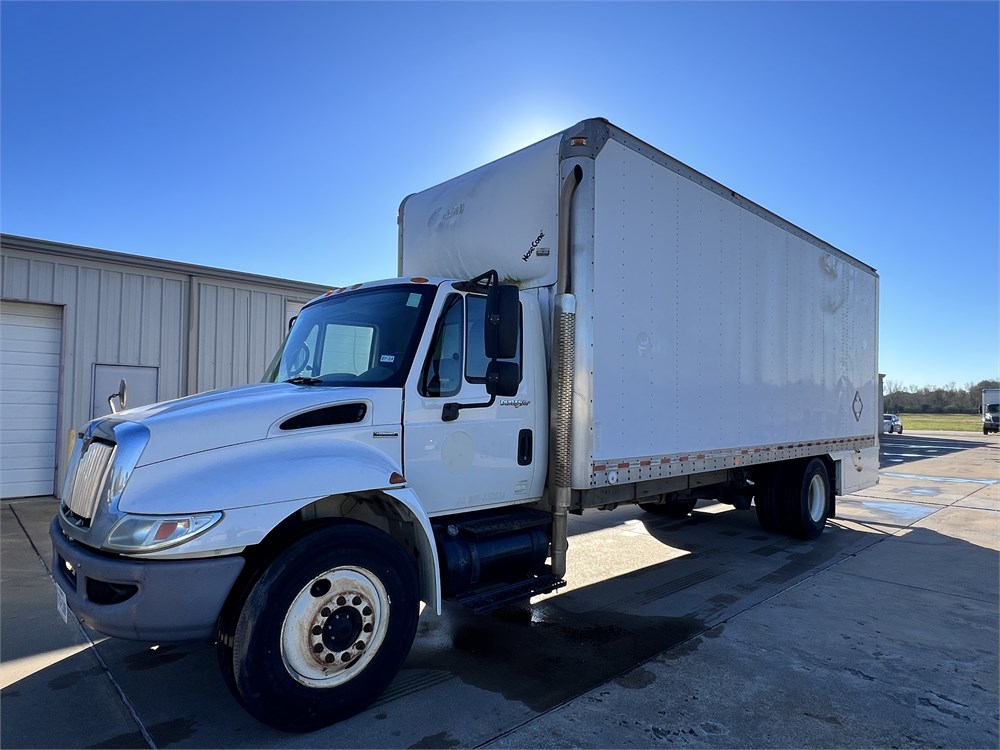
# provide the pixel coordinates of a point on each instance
(710, 333)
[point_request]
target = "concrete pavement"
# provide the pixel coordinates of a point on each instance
(883, 633)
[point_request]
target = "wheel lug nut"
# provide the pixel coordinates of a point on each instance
(326, 612)
(356, 601)
(329, 659)
(360, 645)
(317, 630)
(367, 611)
(317, 648)
(341, 601)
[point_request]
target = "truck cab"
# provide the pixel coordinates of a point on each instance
(991, 410)
(422, 344)
(354, 431)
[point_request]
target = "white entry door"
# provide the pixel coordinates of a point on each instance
(30, 353)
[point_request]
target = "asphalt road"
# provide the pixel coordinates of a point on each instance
(706, 632)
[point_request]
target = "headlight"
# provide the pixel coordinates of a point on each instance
(151, 533)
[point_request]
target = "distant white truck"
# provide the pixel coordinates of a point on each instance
(564, 322)
(990, 410)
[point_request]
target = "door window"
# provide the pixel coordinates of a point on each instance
(442, 375)
(477, 361)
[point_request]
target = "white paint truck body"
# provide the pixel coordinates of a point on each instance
(564, 322)
(990, 409)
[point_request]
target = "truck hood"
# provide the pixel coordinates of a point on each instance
(246, 413)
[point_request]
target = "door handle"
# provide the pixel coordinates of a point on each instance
(524, 447)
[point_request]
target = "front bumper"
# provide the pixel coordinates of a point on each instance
(146, 600)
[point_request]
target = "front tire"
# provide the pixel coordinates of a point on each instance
(324, 629)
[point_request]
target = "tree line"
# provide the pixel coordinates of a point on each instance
(935, 400)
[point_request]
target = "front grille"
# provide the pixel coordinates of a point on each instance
(87, 480)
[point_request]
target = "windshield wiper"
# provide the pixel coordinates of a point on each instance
(304, 381)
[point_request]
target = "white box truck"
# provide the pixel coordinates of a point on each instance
(990, 410)
(582, 324)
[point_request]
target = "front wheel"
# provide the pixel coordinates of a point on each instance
(325, 628)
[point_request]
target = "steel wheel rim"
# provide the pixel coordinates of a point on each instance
(817, 498)
(334, 627)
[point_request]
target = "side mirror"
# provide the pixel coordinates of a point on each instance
(502, 378)
(503, 321)
(120, 396)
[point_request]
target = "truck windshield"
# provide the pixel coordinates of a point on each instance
(364, 337)
(993, 408)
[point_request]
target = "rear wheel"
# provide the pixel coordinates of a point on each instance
(324, 629)
(807, 499)
(768, 506)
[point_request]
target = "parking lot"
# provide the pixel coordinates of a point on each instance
(704, 632)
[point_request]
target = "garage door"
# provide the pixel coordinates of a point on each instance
(30, 347)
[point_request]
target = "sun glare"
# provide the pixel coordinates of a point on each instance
(519, 133)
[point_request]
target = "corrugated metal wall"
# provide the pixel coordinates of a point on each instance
(199, 330)
(239, 330)
(110, 317)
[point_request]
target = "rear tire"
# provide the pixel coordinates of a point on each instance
(324, 629)
(808, 496)
(768, 506)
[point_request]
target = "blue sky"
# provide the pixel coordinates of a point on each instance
(279, 138)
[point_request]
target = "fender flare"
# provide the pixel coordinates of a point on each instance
(429, 566)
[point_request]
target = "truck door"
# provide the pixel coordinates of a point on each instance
(485, 457)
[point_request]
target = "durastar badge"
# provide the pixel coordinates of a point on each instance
(515, 402)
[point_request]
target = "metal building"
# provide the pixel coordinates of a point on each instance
(75, 320)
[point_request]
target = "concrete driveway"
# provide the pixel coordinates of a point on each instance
(706, 632)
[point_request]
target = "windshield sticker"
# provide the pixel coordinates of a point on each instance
(387, 358)
(413, 300)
